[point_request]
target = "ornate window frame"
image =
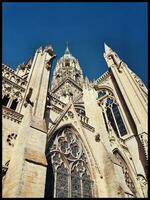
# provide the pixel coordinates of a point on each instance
(67, 153)
(108, 108)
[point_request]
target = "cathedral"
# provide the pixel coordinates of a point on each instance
(70, 137)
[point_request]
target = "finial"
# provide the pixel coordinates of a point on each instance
(67, 49)
(107, 48)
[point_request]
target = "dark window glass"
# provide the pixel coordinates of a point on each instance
(5, 100)
(62, 182)
(14, 104)
(87, 190)
(101, 93)
(75, 184)
(111, 119)
(119, 120)
(109, 102)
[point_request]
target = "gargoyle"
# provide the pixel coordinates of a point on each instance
(49, 62)
(28, 101)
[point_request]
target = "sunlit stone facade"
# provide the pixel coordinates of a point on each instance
(73, 137)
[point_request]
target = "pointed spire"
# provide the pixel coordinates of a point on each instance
(107, 48)
(67, 49)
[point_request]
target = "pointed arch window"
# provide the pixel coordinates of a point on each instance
(114, 116)
(127, 175)
(71, 174)
(101, 93)
(112, 113)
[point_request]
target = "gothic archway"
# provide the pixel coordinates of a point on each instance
(68, 167)
(126, 174)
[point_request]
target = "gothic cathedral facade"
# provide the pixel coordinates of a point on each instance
(71, 137)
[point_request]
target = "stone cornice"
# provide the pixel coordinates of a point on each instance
(14, 84)
(11, 114)
(103, 77)
(5, 67)
(51, 95)
(8, 68)
(87, 126)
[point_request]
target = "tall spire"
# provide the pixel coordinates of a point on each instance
(67, 49)
(107, 48)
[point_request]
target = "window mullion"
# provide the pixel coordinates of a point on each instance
(55, 183)
(69, 183)
(81, 188)
(106, 117)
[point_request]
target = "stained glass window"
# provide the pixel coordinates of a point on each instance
(62, 182)
(87, 190)
(101, 93)
(119, 120)
(71, 174)
(111, 119)
(75, 184)
(114, 117)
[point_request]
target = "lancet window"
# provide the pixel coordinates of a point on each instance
(111, 112)
(71, 174)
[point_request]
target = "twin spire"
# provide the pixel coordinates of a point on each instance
(106, 48)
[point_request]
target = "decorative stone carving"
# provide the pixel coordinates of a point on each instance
(70, 166)
(70, 114)
(28, 101)
(97, 138)
(144, 184)
(10, 139)
(11, 114)
(144, 140)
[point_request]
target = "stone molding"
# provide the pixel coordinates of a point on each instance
(11, 114)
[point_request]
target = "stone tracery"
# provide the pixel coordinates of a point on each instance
(67, 154)
(111, 111)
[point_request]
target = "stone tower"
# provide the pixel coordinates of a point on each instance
(74, 137)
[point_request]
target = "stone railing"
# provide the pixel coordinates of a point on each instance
(11, 114)
(83, 118)
(87, 126)
(9, 75)
(53, 100)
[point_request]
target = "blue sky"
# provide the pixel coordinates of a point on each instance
(86, 26)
